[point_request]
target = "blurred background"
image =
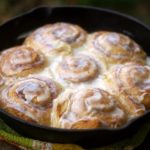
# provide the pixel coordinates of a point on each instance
(138, 8)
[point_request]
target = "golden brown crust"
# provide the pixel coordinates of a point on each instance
(78, 61)
(115, 48)
(131, 82)
(30, 99)
(131, 105)
(92, 106)
(87, 124)
(2, 80)
(21, 61)
(78, 68)
(57, 38)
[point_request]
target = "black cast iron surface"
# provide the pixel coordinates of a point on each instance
(13, 33)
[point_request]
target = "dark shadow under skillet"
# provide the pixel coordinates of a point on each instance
(91, 19)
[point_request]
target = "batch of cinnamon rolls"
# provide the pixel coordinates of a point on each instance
(64, 77)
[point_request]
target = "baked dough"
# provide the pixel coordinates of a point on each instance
(30, 99)
(57, 38)
(87, 108)
(115, 48)
(21, 61)
(64, 77)
(78, 68)
(131, 82)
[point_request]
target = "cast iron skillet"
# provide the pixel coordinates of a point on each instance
(13, 32)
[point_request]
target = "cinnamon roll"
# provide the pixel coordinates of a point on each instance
(78, 68)
(87, 108)
(57, 38)
(2, 81)
(132, 82)
(30, 99)
(115, 48)
(20, 61)
(104, 77)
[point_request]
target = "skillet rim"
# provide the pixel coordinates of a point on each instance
(115, 12)
(91, 8)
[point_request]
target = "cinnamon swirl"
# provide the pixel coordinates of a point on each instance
(115, 48)
(30, 99)
(132, 81)
(20, 61)
(87, 108)
(104, 77)
(57, 38)
(78, 68)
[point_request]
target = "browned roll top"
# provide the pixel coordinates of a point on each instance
(20, 60)
(116, 47)
(93, 107)
(69, 33)
(78, 68)
(103, 80)
(132, 81)
(57, 38)
(30, 98)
